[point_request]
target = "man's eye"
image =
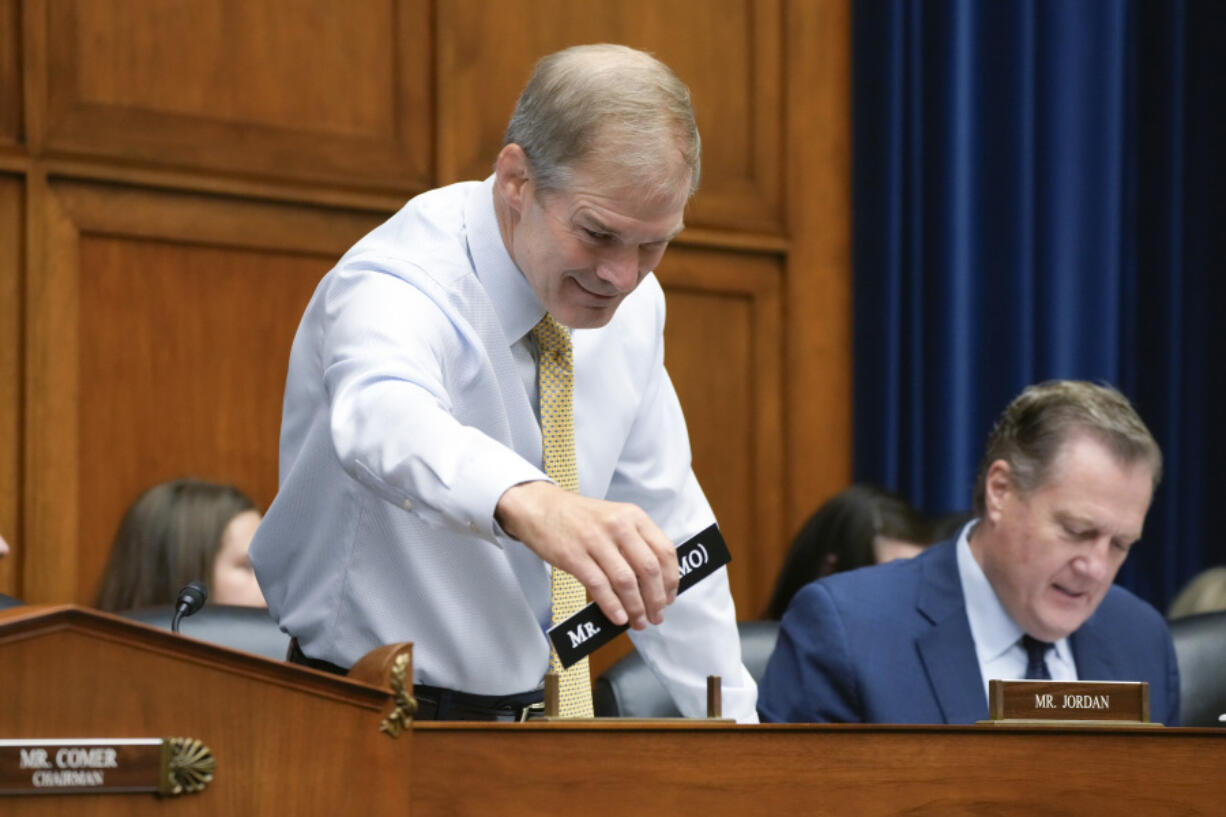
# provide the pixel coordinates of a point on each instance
(596, 235)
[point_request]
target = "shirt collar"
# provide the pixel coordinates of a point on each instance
(994, 630)
(514, 301)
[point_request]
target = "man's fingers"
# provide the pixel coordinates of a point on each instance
(623, 559)
(666, 556)
(601, 591)
(624, 583)
(649, 574)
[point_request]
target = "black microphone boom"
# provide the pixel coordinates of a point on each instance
(191, 598)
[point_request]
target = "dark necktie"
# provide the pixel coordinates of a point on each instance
(1036, 658)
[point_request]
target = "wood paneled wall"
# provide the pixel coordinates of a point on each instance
(176, 176)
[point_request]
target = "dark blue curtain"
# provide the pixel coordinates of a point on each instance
(1037, 192)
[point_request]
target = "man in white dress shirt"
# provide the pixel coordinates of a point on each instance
(413, 504)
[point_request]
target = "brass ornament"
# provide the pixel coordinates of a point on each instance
(406, 705)
(187, 766)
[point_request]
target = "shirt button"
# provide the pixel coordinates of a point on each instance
(408, 504)
(472, 526)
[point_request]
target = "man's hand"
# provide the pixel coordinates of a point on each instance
(614, 549)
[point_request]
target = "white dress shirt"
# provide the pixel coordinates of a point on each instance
(997, 636)
(410, 407)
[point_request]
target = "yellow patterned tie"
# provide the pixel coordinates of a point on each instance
(555, 377)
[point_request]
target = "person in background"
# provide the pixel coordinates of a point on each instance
(1024, 591)
(1206, 593)
(860, 526)
(181, 531)
(6, 601)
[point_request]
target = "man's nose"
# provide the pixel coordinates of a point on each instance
(1096, 563)
(620, 268)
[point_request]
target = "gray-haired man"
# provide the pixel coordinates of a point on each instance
(414, 502)
(1024, 591)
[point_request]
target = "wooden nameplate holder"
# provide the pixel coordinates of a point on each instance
(1068, 703)
(715, 703)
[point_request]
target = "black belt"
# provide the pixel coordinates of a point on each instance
(295, 655)
(440, 704)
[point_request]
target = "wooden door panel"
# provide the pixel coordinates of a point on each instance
(724, 352)
(12, 199)
(297, 89)
(159, 339)
(10, 72)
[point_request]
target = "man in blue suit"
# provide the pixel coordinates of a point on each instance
(1025, 590)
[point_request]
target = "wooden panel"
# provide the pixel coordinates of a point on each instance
(179, 371)
(10, 72)
(731, 59)
(11, 242)
(303, 89)
(724, 353)
(819, 410)
(159, 338)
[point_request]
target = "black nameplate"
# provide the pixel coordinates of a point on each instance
(589, 629)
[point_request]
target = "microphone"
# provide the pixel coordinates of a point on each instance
(191, 599)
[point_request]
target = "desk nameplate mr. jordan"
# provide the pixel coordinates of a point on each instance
(1064, 702)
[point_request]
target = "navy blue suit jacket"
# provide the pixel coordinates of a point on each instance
(892, 644)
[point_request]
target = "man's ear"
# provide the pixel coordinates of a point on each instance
(997, 485)
(511, 176)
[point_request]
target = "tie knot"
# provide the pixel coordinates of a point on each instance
(1036, 650)
(551, 336)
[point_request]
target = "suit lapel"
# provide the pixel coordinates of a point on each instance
(948, 649)
(1092, 653)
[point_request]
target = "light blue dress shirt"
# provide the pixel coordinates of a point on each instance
(996, 634)
(410, 407)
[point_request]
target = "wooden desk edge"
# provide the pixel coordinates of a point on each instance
(725, 725)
